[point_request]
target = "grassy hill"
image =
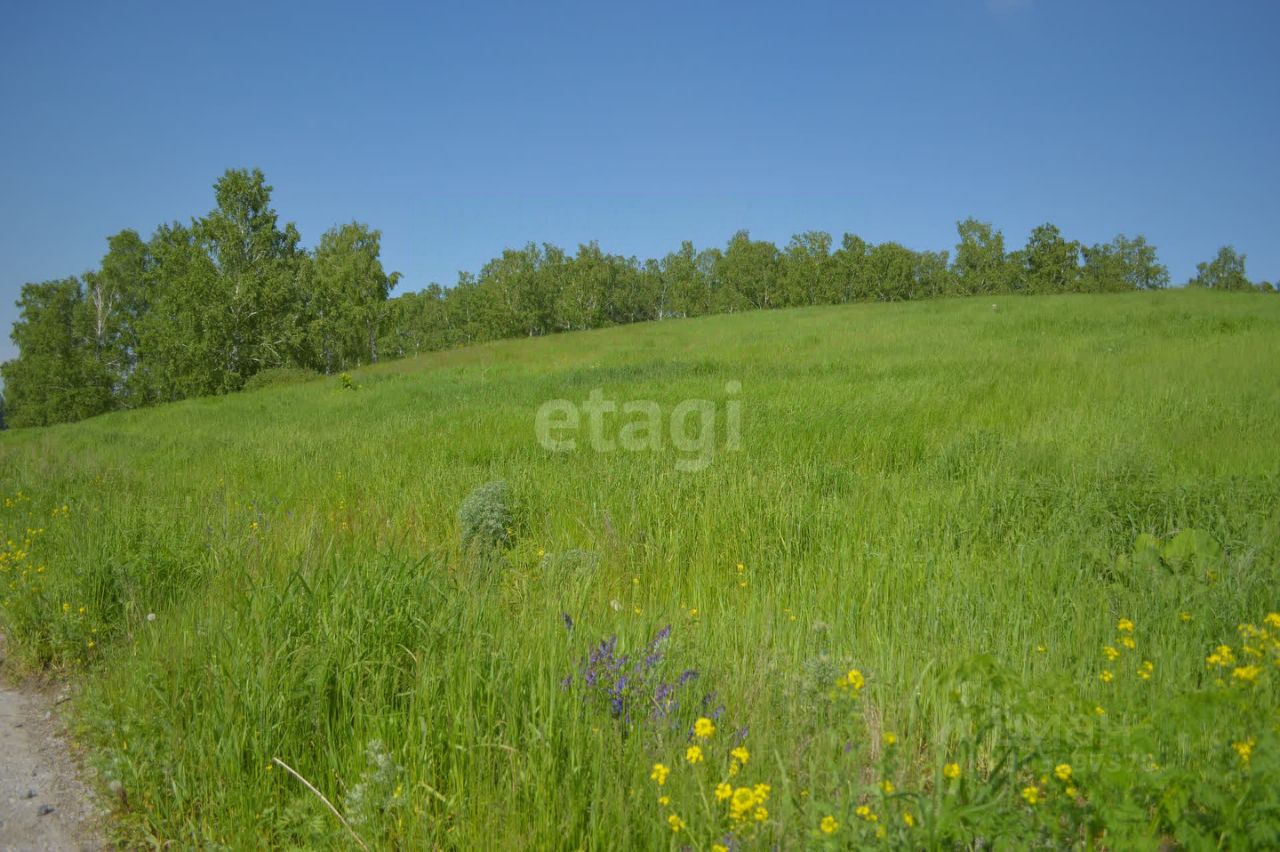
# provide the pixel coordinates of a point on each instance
(960, 501)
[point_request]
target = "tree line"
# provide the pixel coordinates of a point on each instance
(202, 308)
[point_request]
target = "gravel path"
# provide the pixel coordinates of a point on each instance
(43, 804)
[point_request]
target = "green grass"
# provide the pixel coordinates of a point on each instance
(918, 484)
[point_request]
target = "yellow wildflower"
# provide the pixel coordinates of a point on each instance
(719, 847)
(951, 771)
(741, 755)
(1185, 616)
(1124, 625)
(1245, 749)
(664, 800)
(659, 773)
(1222, 656)
(864, 812)
(741, 803)
(1062, 771)
(1097, 708)
(1246, 674)
(908, 820)
(676, 823)
(1106, 676)
(693, 754)
(829, 825)
(1145, 670)
(1031, 794)
(890, 739)
(1111, 653)
(704, 728)
(761, 814)
(723, 791)
(880, 832)
(1072, 791)
(1128, 642)
(1272, 619)
(854, 680)
(887, 786)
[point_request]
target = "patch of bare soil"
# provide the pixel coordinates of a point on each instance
(43, 803)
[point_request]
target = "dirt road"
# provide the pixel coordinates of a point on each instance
(43, 804)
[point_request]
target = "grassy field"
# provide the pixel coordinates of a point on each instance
(959, 501)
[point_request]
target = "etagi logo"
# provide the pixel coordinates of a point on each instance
(692, 426)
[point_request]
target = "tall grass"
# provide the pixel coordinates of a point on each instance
(279, 574)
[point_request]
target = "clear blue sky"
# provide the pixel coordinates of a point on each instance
(459, 129)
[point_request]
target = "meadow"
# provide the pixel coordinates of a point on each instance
(1000, 574)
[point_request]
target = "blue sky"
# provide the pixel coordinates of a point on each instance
(460, 129)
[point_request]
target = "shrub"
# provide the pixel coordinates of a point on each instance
(279, 377)
(378, 792)
(486, 519)
(573, 565)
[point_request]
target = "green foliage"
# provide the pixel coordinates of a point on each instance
(747, 274)
(1041, 762)
(275, 377)
(372, 801)
(178, 347)
(485, 517)
(1050, 263)
(684, 283)
(113, 304)
(347, 298)
(200, 309)
(254, 317)
(574, 565)
(981, 264)
(1224, 272)
(55, 380)
(299, 550)
(1123, 264)
(1031, 758)
(891, 268)
(197, 310)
